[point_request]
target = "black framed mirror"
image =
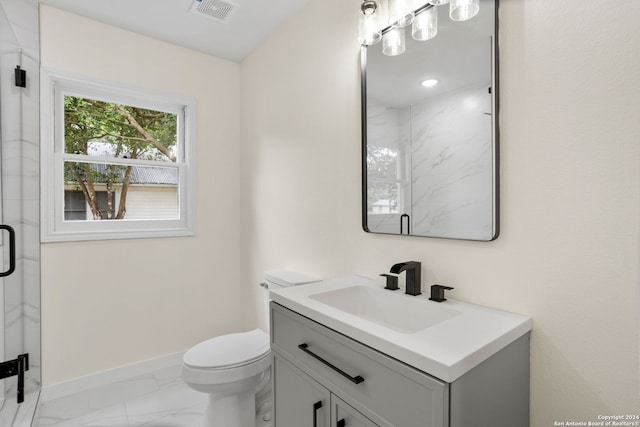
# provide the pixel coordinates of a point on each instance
(430, 154)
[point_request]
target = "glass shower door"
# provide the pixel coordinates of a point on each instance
(2, 352)
(19, 209)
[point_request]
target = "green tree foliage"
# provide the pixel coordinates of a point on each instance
(104, 129)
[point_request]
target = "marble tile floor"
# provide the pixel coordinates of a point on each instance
(18, 415)
(157, 399)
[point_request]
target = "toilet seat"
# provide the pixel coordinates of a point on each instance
(228, 351)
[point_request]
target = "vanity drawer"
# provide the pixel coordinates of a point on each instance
(387, 391)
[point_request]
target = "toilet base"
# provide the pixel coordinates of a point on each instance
(244, 403)
(238, 410)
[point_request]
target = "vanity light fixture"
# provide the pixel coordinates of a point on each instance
(463, 10)
(393, 43)
(386, 20)
(429, 82)
(370, 31)
(425, 25)
(401, 13)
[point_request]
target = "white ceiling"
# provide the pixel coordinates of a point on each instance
(172, 21)
(392, 81)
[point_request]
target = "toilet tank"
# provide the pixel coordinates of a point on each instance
(276, 279)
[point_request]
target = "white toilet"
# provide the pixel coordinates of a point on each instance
(235, 369)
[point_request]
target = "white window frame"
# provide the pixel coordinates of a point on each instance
(54, 87)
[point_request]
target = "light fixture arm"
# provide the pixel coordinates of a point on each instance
(417, 11)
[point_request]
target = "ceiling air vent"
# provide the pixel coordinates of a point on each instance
(220, 10)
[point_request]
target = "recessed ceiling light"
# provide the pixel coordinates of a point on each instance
(429, 83)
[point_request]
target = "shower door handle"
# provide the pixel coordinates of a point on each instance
(12, 250)
(402, 218)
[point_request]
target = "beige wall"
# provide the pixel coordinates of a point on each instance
(570, 167)
(106, 304)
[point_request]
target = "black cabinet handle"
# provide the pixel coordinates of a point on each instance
(316, 406)
(341, 423)
(12, 250)
(356, 380)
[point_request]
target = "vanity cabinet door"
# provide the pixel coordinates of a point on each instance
(343, 415)
(298, 400)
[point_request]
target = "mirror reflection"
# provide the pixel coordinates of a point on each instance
(430, 133)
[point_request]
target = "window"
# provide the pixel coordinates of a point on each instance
(117, 162)
(385, 185)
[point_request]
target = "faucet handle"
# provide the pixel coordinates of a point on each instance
(392, 282)
(437, 292)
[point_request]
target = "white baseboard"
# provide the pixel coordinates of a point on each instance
(102, 378)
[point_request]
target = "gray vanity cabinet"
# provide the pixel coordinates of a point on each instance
(322, 378)
(368, 387)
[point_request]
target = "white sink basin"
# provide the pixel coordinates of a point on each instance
(393, 310)
(445, 339)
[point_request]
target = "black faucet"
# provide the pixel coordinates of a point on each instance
(413, 269)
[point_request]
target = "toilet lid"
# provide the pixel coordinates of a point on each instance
(228, 350)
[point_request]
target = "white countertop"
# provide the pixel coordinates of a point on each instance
(446, 350)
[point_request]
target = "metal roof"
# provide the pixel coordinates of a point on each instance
(141, 174)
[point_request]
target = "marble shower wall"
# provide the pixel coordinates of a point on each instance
(446, 164)
(19, 123)
(389, 127)
(452, 165)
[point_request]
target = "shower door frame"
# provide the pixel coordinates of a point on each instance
(19, 203)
